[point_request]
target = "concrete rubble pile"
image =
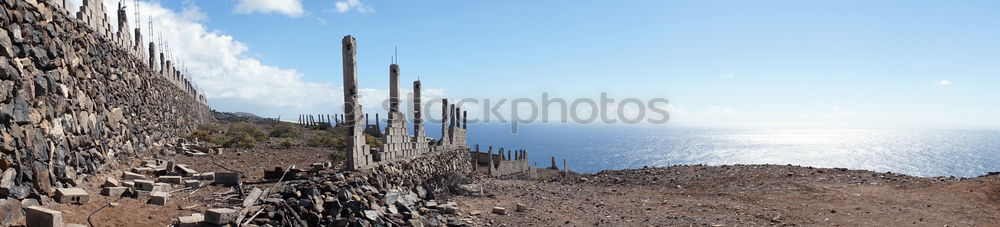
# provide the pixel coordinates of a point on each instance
(401, 193)
(72, 101)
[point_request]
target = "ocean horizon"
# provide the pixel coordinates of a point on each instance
(593, 148)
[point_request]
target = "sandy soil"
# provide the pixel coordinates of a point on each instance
(740, 196)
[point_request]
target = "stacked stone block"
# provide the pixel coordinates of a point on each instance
(72, 100)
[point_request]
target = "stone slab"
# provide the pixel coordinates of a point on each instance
(158, 198)
(72, 196)
(43, 217)
(113, 191)
(130, 176)
(194, 220)
(227, 179)
(170, 179)
(144, 185)
(220, 216)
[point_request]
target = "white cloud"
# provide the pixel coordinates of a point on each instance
(944, 82)
(224, 69)
(288, 7)
(728, 75)
(343, 6)
(838, 111)
(718, 110)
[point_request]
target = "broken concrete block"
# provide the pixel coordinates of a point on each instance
(220, 216)
(128, 176)
(72, 195)
(227, 179)
(192, 183)
(143, 185)
(170, 166)
(158, 198)
(113, 191)
(162, 187)
(144, 170)
(43, 217)
(170, 179)
(190, 221)
(185, 170)
(209, 176)
(500, 210)
(521, 207)
(274, 174)
(111, 182)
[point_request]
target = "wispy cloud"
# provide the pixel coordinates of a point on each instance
(944, 82)
(343, 6)
(838, 111)
(730, 75)
(291, 8)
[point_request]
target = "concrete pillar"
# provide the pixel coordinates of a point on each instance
(152, 56)
(475, 158)
(444, 122)
(162, 65)
(418, 121)
(359, 153)
(393, 90)
(451, 112)
(490, 170)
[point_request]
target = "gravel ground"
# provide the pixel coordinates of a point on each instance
(741, 195)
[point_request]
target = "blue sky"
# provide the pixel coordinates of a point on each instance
(795, 64)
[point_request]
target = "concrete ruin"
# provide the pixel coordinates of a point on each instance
(514, 163)
(397, 143)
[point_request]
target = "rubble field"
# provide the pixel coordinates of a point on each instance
(183, 201)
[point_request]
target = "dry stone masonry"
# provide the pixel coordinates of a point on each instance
(74, 96)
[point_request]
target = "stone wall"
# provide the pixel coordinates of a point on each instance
(432, 171)
(73, 101)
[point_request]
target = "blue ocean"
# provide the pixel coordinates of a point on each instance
(592, 148)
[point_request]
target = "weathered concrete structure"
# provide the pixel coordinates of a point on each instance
(397, 143)
(73, 99)
(515, 163)
(359, 152)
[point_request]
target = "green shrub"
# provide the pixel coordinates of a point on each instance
(288, 143)
(326, 139)
(241, 135)
(248, 129)
(373, 141)
(285, 131)
(200, 135)
(238, 139)
(211, 128)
